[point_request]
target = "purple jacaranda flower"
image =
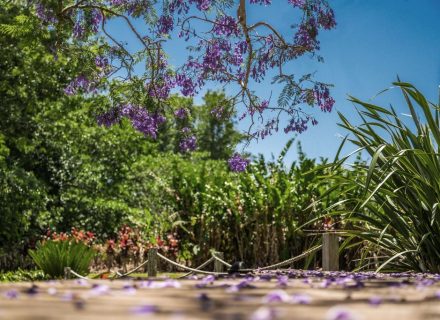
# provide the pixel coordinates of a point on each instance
(297, 3)
(11, 294)
(277, 296)
(205, 301)
(68, 296)
(168, 283)
(301, 298)
(262, 2)
(217, 112)
(181, 113)
(437, 294)
(375, 300)
(244, 284)
(52, 291)
(165, 24)
(33, 290)
(99, 290)
(129, 289)
(144, 309)
(209, 279)
(188, 144)
(337, 313)
(264, 313)
(81, 282)
(226, 26)
(282, 281)
(237, 163)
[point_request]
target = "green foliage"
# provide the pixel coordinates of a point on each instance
(53, 256)
(395, 196)
(253, 216)
(23, 275)
(216, 134)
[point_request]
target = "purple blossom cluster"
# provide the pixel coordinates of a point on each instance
(181, 113)
(231, 52)
(188, 144)
(297, 3)
(142, 120)
(109, 118)
(165, 24)
(226, 26)
(96, 20)
(80, 83)
(237, 163)
(306, 36)
(262, 2)
(323, 98)
(44, 14)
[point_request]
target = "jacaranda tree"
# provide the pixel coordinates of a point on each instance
(224, 46)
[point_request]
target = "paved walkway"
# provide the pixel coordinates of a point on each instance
(257, 299)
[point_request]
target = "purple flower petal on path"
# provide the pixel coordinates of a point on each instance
(81, 282)
(129, 290)
(52, 291)
(99, 290)
(263, 313)
(375, 301)
(68, 296)
(277, 296)
(282, 281)
(337, 313)
(145, 309)
(11, 294)
(301, 298)
(437, 294)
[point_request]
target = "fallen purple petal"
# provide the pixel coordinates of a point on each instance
(144, 309)
(264, 313)
(11, 294)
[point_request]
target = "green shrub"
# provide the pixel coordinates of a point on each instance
(396, 198)
(22, 275)
(53, 256)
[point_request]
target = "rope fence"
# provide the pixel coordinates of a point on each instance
(330, 261)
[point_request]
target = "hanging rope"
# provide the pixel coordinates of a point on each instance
(121, 275)
(188, 268)
(198, 268)
(220, 260)
(288, 261)
(68, 271)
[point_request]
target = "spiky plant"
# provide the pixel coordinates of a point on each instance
(393, 202)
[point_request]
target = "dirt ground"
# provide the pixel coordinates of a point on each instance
(311, 298)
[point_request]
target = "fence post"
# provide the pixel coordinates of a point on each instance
(330, 254)
(152, 263)
(218, 266)
(67, 273)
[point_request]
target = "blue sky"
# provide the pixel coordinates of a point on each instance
(374, 41)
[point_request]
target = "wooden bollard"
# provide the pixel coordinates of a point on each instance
(330, 252)
(67, 273)
(152, 263)
(218, 266)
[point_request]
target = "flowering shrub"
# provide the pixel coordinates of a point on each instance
(58, 251)
(225, 47)
(131, 248)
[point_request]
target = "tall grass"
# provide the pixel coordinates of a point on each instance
(53, 256)
(394, 200)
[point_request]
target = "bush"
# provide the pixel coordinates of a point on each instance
(53, 256)
(396, 198)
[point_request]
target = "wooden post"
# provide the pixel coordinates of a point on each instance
(218, 266)
(152, 263)
(330, 254)
(67, 273)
